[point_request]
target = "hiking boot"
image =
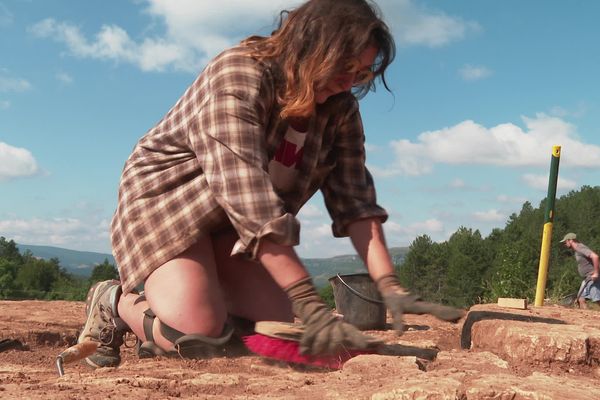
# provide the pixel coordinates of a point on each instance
(103, 324)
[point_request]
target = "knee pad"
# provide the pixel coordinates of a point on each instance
(187, 346)
(200, 346)
(149, 349)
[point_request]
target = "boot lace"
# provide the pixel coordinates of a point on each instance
(109, 335)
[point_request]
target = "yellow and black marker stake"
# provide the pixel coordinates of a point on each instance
(547, 235)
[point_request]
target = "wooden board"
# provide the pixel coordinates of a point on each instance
(521, 304)
(279, 330)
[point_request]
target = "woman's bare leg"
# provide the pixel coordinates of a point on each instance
(184, 293)
(195, 291)
(249, 290)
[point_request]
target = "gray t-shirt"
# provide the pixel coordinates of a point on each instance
(585, 266)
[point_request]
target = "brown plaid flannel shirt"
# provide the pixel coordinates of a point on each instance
(204, 166)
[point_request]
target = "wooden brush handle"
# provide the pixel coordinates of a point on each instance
(280, 330)
(79, 351)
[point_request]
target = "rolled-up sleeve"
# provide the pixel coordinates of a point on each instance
(348, 190)
(229, 141)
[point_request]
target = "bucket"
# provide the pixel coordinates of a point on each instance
(358, 300)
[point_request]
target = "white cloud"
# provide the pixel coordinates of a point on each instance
(414, 25)
(16, 162)
(64, 78)
(489, 216)
(438, 229)
(385, 172)
(203, 23)
(317, 241)
(457, 184)
(316, 237)
(200, 22)
(4, 104)
(371, 148)
(502, 145)
(112, 43)
(410, 160)
(310, 211)
(72, 233)
(510, 199)
(540, 182)
(578, 111)
(474, 73)
(194, 31)
(9, 84)
(6, 17)
(406, 233)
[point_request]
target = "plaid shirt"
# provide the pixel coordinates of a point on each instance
(204, 167)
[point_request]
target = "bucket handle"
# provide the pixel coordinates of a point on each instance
(356, 292)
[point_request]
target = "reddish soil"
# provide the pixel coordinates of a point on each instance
(47, 328)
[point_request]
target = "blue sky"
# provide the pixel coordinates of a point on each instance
(482, 90)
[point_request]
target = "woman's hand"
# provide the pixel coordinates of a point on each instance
(323, 333)
(400, 302)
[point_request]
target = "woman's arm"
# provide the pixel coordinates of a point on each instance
(281, 262)
(369, 242)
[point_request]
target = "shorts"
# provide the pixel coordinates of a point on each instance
(591, 290)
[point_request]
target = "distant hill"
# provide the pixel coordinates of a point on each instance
(82, 262)
(76, 262)
(322, 269)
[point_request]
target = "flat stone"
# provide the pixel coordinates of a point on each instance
(471, 361)
(424, 386)
(534, 387)
(537, 335)
(534, 342)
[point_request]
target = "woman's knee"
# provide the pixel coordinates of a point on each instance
(250, 291)
(185, 294)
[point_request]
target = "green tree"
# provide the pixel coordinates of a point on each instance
(68, 287)
(36, 277)
(326, 293)
(511, 276)
(103, 272)
(468, 261)
(467, 267)
(8, 287)
(9, 250)
(578, 212)
(424, 268)
(513, 272)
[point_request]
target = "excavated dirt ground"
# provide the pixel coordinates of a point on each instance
(542, 353)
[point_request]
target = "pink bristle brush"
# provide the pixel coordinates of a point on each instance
(281, 341)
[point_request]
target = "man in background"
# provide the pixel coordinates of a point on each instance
(588, 268)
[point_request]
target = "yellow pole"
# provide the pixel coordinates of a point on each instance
(547, 233)
(543, 266)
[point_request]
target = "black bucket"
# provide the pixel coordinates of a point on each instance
(358, 300)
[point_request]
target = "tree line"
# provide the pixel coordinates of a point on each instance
(468, 268)
(462, 271)
(24, 276)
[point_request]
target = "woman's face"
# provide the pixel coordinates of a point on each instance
(355, 74)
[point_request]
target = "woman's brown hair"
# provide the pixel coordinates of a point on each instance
(318, 40)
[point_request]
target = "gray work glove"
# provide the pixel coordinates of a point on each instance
(323, 333)
(401, 302)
